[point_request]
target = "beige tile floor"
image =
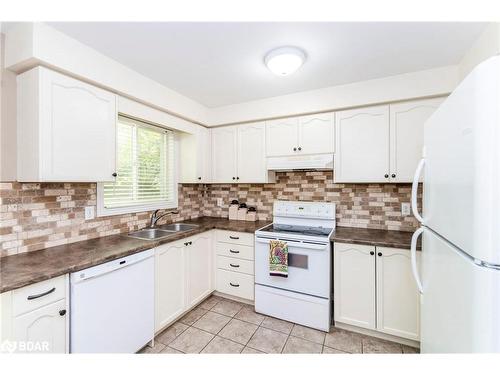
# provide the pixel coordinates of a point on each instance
(219, 325)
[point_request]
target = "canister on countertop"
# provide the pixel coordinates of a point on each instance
(251, 214)
(233, 210)
(242, 211)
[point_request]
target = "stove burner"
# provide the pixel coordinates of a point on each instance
(298, 229)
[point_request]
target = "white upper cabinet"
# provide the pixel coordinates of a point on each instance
(282, 137)
(305, 135)
(252, 152)
(195, 157)
(66, 129)
(362, 145)
(316, 134)
(407, 135)
(238, 154)
(398, 300)
(224, 158)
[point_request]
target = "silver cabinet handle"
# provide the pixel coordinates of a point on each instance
(234, 265)
(234, 238)
(234, 251)
(234, 285)
(35, 296)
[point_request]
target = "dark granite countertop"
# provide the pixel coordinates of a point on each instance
(374, 237)
(23, 269)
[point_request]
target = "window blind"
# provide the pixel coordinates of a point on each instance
(145, 165)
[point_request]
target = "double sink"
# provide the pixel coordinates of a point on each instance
(162, 231)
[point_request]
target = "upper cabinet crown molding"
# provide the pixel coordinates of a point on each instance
(66, 129)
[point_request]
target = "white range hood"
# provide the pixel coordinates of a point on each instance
(308, 162)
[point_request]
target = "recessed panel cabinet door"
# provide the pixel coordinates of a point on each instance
(362, 145)
(354, 284)
(316, 134)
(224, 151)
(44, 329)
(282, 137)
(170, 281)
(407, 136)
(199, 263)
(252, 152)
(398, 300)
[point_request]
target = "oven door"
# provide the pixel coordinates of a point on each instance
(308, 266)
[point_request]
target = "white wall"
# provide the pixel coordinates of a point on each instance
(487, 45)
(31, 44)
(421, 84)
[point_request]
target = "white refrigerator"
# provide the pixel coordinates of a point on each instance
(459, 277)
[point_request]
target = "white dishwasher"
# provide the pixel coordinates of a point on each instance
(112, 306)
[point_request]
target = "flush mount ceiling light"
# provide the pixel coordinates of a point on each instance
(285, 60)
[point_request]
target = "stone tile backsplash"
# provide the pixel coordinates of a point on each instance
(34, 216)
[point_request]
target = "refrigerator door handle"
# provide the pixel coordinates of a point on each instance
(414, 191)
(413, 250)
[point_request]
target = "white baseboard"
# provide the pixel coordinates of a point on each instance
(380, 335)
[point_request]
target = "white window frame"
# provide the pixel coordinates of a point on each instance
(159, 205)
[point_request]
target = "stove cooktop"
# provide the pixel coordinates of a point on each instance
(298, 229)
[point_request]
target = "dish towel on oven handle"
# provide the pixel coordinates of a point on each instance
(278, 258)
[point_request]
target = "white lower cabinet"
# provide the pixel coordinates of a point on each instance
(170, 294)
(183, 276)
(374, 289)
(35, 318)
(354, 285)
(235, 264)
(398, 300)
(199, 268)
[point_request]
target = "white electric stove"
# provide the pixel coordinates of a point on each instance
(304, 296)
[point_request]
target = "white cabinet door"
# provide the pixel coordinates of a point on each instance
(43, 328)
(407, 136)
(224, 150)
(282, 137)
(252, 152)
(362, 145)
(204, 161)
(354, 284)
(317, 134)
(200, 268)
(170, 282)
(66, 129)
(398, 300)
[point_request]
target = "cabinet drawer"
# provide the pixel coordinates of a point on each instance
(235, 251)
(37, 295)
(236, 284)
(236, 265)
(237, 238)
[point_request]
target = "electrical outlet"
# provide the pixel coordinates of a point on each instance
(405, 209)
(219, 202)
(89, 213)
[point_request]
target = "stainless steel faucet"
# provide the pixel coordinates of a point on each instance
(155, 217)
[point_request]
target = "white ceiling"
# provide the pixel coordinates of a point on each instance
(218, 64)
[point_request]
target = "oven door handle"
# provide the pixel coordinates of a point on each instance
(299, 244)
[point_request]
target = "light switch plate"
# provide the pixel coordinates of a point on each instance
(405, 209)
(89, 213)
(219, 202)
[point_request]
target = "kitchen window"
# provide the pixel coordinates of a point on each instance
(145, 170)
